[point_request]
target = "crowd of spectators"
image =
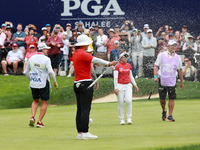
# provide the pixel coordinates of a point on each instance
(18, 44)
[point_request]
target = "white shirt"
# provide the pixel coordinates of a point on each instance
(100, 43)
(38, 65)
(65, 48)
(14, 55)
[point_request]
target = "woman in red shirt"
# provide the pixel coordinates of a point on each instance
(82, 66)
(123, 88)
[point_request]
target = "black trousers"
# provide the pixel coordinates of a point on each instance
(148, 66)
(84, 99)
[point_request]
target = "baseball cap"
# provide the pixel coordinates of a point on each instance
(79, 33)
(190, 36)
(116, 42)
(170, 28)
(68, 24)
(3, 25)
(149, 31)
(73, 30)
(65, 33)
(184, 26)
(8, 26)
(171, 34)
(172, 42)
(31, 46)
(91, 28)
(44, 28)
(186, 59)
(116, 26)
(146, 26)
(48, 25)
(124, 54)
(14, 45)
(42, 46)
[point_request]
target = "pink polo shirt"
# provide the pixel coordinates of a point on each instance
(29, 55)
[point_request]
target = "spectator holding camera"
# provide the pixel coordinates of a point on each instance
(31, 39)
(137, 51)
(188, 71)
(189, 48)
(124, 42)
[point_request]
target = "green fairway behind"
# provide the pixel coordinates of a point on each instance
(147, 132)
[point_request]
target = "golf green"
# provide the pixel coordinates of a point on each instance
(148, 131)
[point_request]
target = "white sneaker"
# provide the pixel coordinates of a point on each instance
(69, 76)
(122, 122)
(88, 135)
(129, 121)
(79, 136)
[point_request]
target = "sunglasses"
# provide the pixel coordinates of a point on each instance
(186, 61)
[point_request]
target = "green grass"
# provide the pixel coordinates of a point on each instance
(147, 132)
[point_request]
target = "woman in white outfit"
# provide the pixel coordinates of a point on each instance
(123, 88)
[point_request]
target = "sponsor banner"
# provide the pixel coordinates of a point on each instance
(105, 13)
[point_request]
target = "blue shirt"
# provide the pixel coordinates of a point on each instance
(21, 34)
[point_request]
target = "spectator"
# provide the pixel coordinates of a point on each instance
(124, 42)
(189, 48)
(101, 49)
(184, 34)
(13, 59)
(73, 39)
(96, 30)
(19, 37)
(38, 35)
(129, 24)
(161, 46)
(114, 54)
(3, 32)
(65, 50)
(87, 32)
(80, 28)
(94, 39)
(188, 71)
(170, 32)
(149, 44)
(110, 42)
(137, 51)
(117, 32)
(48, 26)
(59, 29)
(44, 37)
(31, 39)
(54, 52)
(68, 30)
(9, 41)
(71, 66)
(161, 29)
(198, 44)
(177, 37)
(32, 51)
(144, 33)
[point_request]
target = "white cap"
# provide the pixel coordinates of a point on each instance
(83, 40)
(146, 26)
(123, 54)
(149, 31)
(172, 42)
(44, 28)
(31, 46)
(78, 33)
(64, 33)
(89, 50)
(116, 42)
(42, 46)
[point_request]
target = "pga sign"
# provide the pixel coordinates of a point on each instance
(95, 10)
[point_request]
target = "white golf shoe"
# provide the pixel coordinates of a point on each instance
(129, 121)
(88, 136)
(79, 136)
(122, 122)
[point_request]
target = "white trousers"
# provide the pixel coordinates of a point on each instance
(125, 92)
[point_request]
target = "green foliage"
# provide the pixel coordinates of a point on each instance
(14, 91)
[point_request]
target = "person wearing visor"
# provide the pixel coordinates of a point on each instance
(168, 63)
(38, 70)
(82, 66)
(123, 78)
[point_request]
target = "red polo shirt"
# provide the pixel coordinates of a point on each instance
(82, 65)
(123, 73)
